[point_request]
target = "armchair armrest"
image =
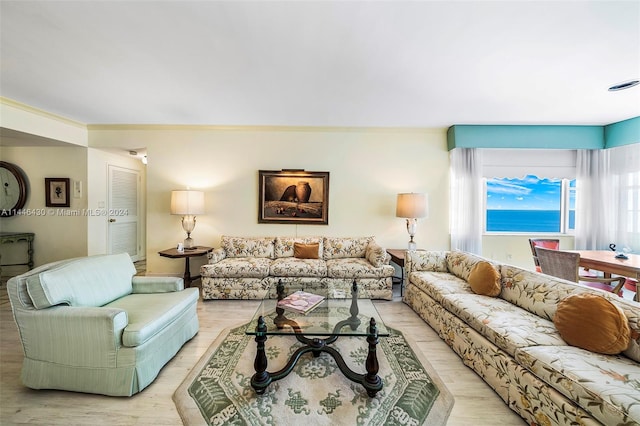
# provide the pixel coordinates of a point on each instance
(143, 284)
(216, 255)
(615, 290)
(68, 335)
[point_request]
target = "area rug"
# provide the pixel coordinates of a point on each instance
(217, 391)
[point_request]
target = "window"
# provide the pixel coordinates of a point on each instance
(530, 204)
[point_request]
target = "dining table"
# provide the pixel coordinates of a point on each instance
(607, 262)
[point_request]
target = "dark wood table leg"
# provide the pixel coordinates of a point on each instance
(372, 382)
(261, 379)
(187, 273)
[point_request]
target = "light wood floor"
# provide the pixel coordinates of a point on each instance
(475, 403)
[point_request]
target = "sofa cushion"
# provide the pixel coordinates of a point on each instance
(439, 284)
(340, 248)
(305, 251)
(376, 255)
(607, 386)
(484, 279)
(591, 322)
(294, 267)
(150, 313)
(284, 246)
(507, 326)
(248, 247)
(88, 281)
(238, 267)
(356, 268)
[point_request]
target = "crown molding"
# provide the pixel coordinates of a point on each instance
(240, 128)
(41, 113)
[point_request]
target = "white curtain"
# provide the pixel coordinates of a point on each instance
(607, 210)
(466, 200)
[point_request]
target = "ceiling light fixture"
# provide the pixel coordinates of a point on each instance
(624, 85)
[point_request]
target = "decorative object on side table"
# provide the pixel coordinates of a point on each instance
(412, 206)
(14, 191)
(188, 204)
(174, 253)
(293, 196)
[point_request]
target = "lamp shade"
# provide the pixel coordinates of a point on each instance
(187, 202)
(412, 205)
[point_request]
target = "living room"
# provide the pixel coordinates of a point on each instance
(371, 157)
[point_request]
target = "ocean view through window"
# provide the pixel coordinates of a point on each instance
(530, 204)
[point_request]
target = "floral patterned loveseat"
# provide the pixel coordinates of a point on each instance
(246, 267)
(512, 343)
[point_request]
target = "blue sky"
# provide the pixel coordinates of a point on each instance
(528, 193)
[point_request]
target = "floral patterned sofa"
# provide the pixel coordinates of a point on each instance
(511, 340)
(245, 267)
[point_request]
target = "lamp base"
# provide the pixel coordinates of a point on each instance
(412, 246)
(189, 244)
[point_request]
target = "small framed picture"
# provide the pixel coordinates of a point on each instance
(57, 192)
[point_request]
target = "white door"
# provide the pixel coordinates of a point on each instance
(123, 207)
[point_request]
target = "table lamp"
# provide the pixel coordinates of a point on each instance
(412, 206)
(188, 204)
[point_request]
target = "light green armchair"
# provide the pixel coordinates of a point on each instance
(90, 325)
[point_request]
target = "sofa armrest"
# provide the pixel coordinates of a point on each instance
(376, 255)
(216, 255)
(70, 335)
(143, 284)
(422, 260)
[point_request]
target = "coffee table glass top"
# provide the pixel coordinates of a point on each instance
(339, 314)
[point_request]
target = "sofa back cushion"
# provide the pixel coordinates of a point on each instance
(461, 263)
(248, 246)
(541, 294)
(284, 246)
(341, 247)
(88, 281)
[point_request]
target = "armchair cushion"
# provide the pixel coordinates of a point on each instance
(150, 313)
(157, 284)
(77, 283)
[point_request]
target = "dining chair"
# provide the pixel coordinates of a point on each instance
(549, 243)
(566, 265)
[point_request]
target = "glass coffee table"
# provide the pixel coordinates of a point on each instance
(339, 314)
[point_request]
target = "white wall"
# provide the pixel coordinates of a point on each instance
(514, 249)
(98, 162)
(367, 169)
(57, 234)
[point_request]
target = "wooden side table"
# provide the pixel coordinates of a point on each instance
(15, 237)
(397, 257)
(173, 253)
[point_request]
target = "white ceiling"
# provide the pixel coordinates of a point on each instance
(323, 63)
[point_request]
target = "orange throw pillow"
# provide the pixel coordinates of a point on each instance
(591, 322)
(484, 279)
(306, 251)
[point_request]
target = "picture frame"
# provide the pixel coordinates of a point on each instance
(57, 192)
(293, 196)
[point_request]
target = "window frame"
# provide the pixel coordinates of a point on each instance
(565, 207)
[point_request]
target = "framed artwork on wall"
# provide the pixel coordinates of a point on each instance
(293, 197)
(57, 192)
